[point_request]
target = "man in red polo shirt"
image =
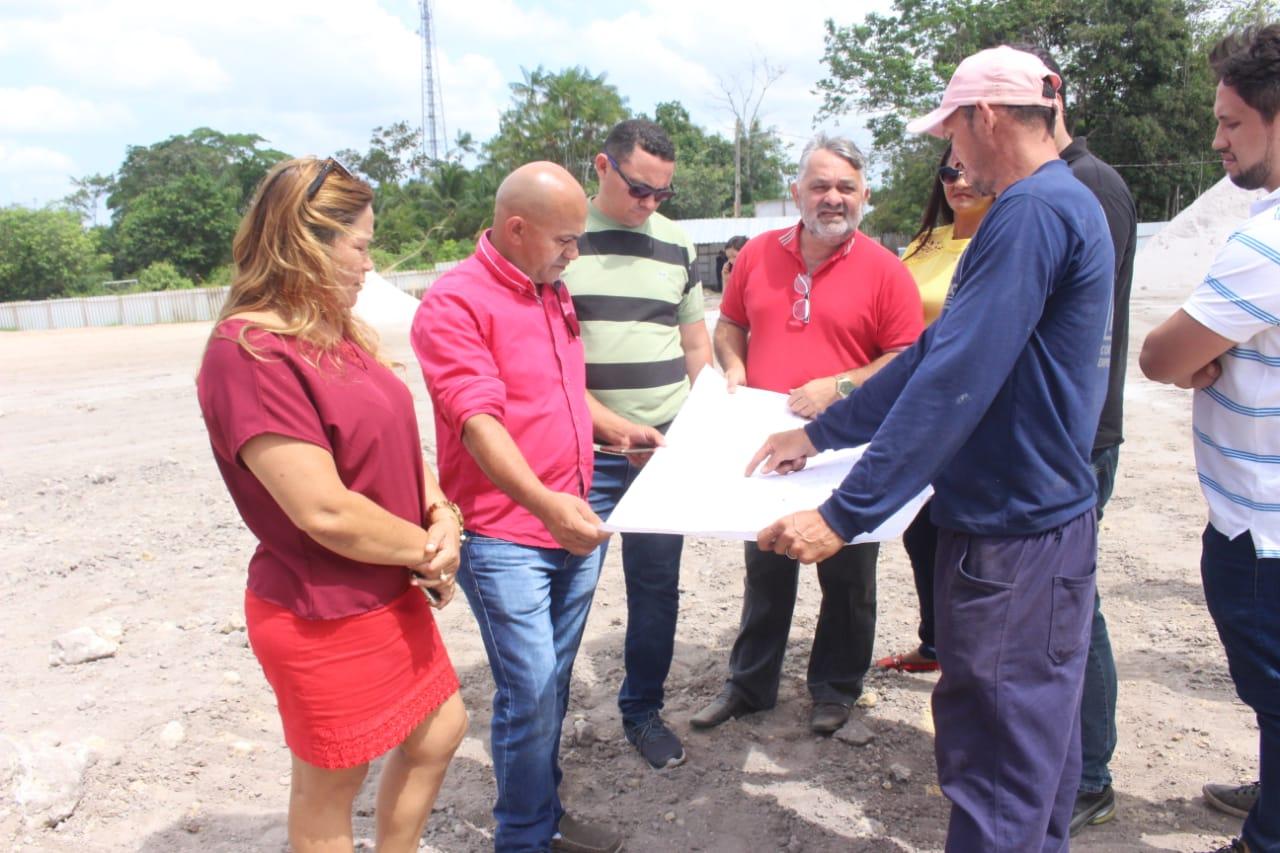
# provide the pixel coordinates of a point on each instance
(811, 311)
(501, 352)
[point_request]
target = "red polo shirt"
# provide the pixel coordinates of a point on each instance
(491, 342)
(863, 303)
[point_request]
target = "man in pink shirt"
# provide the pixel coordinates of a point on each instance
(812, 311)
(501, 352)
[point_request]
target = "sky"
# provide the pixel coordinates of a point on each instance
(81, 80)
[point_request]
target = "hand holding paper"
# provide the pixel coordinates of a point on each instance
(694, 485)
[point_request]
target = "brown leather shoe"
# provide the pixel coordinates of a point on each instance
(727, 706)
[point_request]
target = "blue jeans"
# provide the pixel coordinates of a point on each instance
(651, 567)
(1098, 705)
(531, 605)
(1243, 595)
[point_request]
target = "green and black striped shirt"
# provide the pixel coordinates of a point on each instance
(632, 290)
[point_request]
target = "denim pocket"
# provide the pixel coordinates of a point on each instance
(1071, 617)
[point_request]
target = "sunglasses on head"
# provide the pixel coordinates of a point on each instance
(638, 189)
(330, 164)
(949, 174)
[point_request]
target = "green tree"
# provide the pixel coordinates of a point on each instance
(704, 166)
(395, 154)
(1137, 84)
(162, 275)
(45, 253)
(233, 160)
(562, 117)
(90, 191)
(179, 200)
(188, 221)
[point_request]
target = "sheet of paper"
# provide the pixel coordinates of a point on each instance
(695, 484)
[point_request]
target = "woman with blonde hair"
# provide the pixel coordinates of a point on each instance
(317, 441)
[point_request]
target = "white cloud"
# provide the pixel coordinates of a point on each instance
(18, 160)
(313, 76)
(105, 51)
(41, 109)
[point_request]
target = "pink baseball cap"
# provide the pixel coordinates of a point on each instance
(1000, 75)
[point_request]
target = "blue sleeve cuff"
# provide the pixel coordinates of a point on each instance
(844, 527)
(817, 436)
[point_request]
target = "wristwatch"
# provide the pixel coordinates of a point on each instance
(845, 386)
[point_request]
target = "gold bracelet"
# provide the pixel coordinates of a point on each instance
(449, 505)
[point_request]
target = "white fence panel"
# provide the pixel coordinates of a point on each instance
(164, 306)
(125, 309)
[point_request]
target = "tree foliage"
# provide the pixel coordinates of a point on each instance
(562, 117)
(162, 275)
(704, 166)
(179, 200)
(45, 254)
(1137, 84)
(188, 221)
(176, 204)
(395, 154)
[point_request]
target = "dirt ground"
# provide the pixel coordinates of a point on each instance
(111, 511)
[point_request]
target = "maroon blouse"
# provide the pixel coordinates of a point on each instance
(357, 410)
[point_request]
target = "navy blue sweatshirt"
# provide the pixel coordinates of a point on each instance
(997, 403)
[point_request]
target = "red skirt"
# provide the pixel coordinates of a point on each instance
(350, 689)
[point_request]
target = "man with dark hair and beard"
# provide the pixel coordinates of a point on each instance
(1225, 343)
(812, 311)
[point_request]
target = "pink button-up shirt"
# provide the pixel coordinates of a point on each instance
(491, 342)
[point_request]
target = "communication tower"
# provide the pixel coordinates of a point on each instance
(433, 131)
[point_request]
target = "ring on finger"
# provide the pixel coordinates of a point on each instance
(787, 552)
(446, 576)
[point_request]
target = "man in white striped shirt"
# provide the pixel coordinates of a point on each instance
(1225, 343)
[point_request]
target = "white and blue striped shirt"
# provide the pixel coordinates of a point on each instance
(1236, 420)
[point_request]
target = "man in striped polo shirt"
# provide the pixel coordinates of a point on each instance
(646, 338)
(1225, 343)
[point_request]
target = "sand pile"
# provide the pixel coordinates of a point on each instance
(1176, 259)
(384, 306)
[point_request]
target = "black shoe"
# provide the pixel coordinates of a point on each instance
(573, 836)
(655, 742)
(727, 706)
(1093, 808)
(1235, 800)
(828, 717)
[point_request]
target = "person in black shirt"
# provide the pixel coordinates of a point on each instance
(1096, 800)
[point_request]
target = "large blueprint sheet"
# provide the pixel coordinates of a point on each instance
(695, 484)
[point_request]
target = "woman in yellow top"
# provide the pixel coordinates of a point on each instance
(952, 216)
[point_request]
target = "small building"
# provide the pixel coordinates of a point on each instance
(710, 235)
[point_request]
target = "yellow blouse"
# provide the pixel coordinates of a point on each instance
(932, 268)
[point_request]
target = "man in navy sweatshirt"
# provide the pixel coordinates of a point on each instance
(996, 404)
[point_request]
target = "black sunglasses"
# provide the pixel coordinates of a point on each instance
(639, 190)
(949, 175)
(330, 165)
